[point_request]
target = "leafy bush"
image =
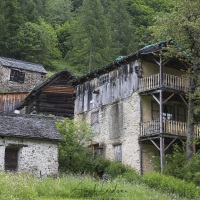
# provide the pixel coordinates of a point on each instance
(175, 162)
(171, 185)
(74, 155)
(116, 169)
(131, 176)
(192, 170)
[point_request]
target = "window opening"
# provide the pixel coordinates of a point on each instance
(11, 159)
(103, 79)
(118, 153)
(17, 76)
(94, 118)
(170, 112)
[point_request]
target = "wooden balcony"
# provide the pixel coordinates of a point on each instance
(169, 81)
(170, 127)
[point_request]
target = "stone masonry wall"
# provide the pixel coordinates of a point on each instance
(36, 157)
(31, 80)
(118, 124)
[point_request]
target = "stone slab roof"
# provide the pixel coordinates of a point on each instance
(13, 63)
(28, 126)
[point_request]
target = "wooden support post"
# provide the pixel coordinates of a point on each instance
(141, 158)
(162, 154)
(162, 148)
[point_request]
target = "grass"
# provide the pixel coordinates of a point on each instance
(25, 187)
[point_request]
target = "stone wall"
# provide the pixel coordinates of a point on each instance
(118, 123)
(31, 80)
(36, 157)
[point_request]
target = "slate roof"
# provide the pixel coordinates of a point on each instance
(19, 64)
(35, 91)
(28, 126)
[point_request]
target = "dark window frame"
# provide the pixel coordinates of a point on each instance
(11, 159)
(174, 110)
(17, 76)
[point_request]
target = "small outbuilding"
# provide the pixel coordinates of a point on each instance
(53, 96)
(29, 143)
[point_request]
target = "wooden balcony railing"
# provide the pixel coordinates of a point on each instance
(169, 81)
(169, 127)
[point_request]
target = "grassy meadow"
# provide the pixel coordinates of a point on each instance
(25, 187)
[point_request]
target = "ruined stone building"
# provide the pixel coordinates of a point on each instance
(17, 79)
(28, 143)
(137, 106)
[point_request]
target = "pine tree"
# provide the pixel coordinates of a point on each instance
(91, 39)
(122, 30)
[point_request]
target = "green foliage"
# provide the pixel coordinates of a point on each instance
(74, 155)
(116, 169)
(26, 187)
(175, 162)
(171, 185)
(58, 12)
(37, 43)
(191, 170)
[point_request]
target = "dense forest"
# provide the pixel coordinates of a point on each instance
(81, 35)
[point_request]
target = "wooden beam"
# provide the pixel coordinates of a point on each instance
(183, 100)
(155, 144)
(141, 159)
(162, 155)
(155, 99)
(170, 144)
(168, 98)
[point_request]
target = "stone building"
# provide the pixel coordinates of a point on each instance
(28, 143)
(137, 106)
(17, 79)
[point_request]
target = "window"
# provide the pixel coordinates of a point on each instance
(97, 151)
(17, 76)
(11, 159)
(94, 118)
(170, 112)
(103, 79)
(118, 152)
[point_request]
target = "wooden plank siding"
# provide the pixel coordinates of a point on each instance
(120, 84)
(9, 102)
(56, 100)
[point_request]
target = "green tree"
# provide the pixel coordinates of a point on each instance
(12, 19)
(37, 43)
(91, 38)
(183, 25)
(143, 14)
(74, 154)
(57, 12)
(122, 30)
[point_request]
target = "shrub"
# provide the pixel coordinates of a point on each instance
(74, 155)
(116, 169)
(192, 169)
(131, 176)
(172, 185)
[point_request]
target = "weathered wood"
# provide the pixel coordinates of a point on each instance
(169, 81)
(121, 84)
(9, 102)
(59, 110)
